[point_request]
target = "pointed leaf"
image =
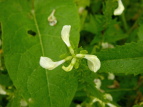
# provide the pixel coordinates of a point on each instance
(27, 36)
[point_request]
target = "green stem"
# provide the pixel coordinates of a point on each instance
(125, 89)
(124, 21)
(71, 51)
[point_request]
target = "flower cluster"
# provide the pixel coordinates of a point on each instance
(92, 60)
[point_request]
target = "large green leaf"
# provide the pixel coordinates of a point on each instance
(123, 59)
(27, 35)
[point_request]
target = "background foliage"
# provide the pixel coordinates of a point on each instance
(116, 40)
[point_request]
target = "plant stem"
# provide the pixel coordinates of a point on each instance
(124, 21)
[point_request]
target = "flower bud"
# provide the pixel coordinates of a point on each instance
(109, 97)
(97, 83)
(120, 9)
(111, 76)
(52, 19)
(2, 91)
(23, 103)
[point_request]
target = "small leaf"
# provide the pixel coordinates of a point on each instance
(95, 24)
(110, 5)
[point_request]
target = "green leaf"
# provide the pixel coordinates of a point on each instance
(109, 7)
(123, 59)
(95, 24)
(5, 80)
(113, 32)
(27, 35)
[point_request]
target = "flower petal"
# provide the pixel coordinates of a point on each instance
(111, 105)
(70, 67)
(2, 91)
(106, 45)
(98, 100)
(120, 9)
(97, 83)
(93, 62)
(47, 63)
(108, 97)
(23, 103)
(111, 76)
(65, 34)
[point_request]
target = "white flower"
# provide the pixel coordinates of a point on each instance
(81, 10)
(106, 45)
(108, 96)
(47, 63)
(2, 91)
(65, 34)
(97, 83)
(93, 62)
(120, 9)
(52, 19)
(111, 76)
